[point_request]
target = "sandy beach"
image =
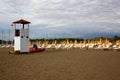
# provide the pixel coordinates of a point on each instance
(73, 64)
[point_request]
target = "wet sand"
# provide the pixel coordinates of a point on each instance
(74, 64)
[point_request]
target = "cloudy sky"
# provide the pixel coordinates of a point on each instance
(62, 18)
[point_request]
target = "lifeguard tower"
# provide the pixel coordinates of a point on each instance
(21, 38)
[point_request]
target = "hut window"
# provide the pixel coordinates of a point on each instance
(17, 32)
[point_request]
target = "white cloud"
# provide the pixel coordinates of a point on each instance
(62, 13)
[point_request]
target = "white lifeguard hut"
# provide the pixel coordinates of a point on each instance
(21, 38)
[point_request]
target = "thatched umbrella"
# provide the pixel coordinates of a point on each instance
(75, 42)
(55, 42)
(84, 41)
(100, 41)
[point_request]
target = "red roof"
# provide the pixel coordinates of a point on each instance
(22, 21)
